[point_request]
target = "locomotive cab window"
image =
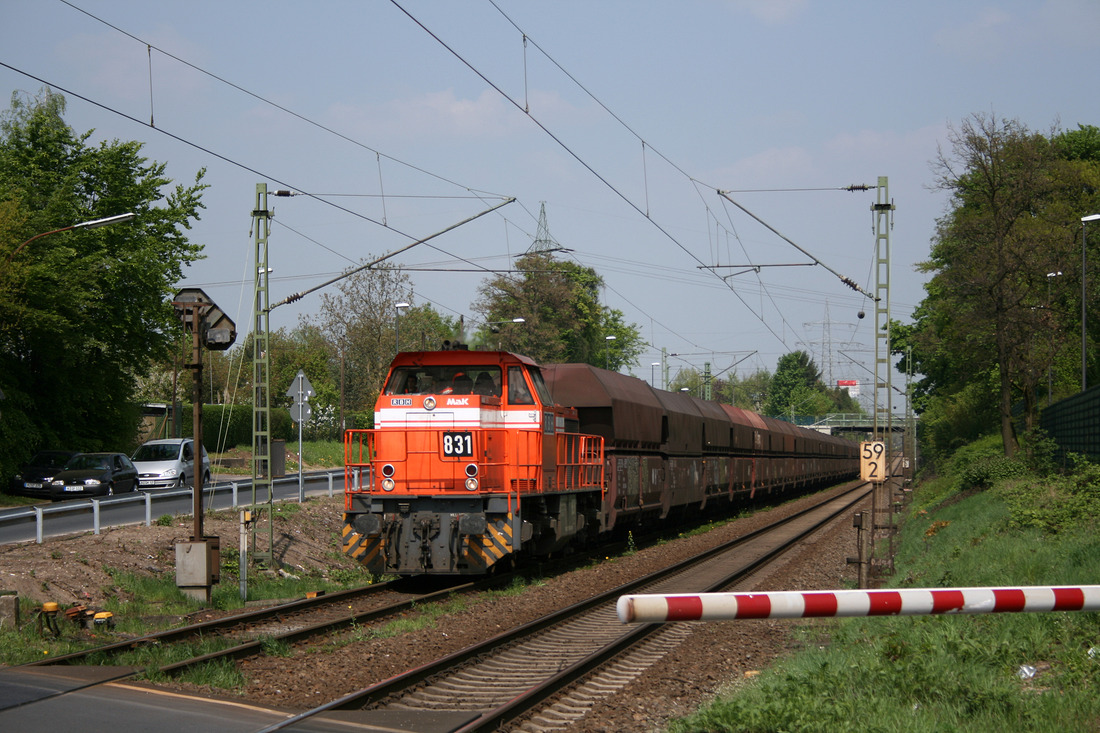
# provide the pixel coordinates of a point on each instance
(474, 379)
(540, 387)
(518, 392)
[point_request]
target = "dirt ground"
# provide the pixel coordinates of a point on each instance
(716, 655)
(78, 569)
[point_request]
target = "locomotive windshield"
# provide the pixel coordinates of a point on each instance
(476, 379)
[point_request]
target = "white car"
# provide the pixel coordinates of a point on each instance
(169, 464)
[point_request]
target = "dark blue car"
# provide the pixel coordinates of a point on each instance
(36, 477)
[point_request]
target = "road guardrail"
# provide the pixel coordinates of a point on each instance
(76, 516)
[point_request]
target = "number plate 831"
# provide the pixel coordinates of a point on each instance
(458, 445)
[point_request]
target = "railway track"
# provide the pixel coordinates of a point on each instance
(519, 677)
(250, 633)
(247, 633)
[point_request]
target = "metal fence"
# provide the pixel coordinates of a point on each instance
(1074, 424)
(92, 515)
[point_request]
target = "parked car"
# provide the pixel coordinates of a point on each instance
(169, 464)
(36, 476)
(95, 474)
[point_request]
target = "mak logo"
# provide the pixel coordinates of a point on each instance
(454, 401)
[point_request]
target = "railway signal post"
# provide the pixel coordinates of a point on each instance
(198, 561)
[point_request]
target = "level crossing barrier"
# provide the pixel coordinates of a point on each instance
(661, 608)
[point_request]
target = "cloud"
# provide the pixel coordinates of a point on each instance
(987, 35)
(771, 167)
(990, 34)
(445, 115)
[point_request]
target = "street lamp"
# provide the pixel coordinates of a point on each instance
(93, 224)
(1050, 331)
(652, 379)
(397, 324)
(1084, 353)
(493, 328)
(607, 351)
(501, 323)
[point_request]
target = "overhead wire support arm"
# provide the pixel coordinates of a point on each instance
(843, 278)
(298, 296)
(750, 268)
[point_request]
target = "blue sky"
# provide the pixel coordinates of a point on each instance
(648, 109)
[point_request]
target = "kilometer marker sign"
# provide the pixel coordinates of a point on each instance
(872, 461)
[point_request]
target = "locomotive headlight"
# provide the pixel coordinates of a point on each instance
(429, 403)
(471, 484)
(471, 469)
(388, 470)
(388, 484)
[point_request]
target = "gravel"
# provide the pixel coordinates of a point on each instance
(714, 656)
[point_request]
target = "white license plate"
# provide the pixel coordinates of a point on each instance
(74, 488)
(33, 485)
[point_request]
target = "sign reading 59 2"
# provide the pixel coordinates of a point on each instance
(872, 460)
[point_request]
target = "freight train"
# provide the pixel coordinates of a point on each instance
(478, 459)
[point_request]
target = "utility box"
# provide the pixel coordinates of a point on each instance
(9, 609)
(278, 458)
(198, 567)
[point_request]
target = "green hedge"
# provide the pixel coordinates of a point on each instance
(228, 426)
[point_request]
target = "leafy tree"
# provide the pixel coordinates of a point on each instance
(748, 393)
(563, 318)
(81, 311)
(991, 307)
(793, 385)
(358, 323)
(688, 379)
(1082, 144)
(796, 389)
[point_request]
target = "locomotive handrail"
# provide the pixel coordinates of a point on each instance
(502, 467)
(580, 462)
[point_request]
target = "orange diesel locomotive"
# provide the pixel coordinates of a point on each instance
(474, 461)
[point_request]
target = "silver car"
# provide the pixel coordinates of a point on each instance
(169, 464)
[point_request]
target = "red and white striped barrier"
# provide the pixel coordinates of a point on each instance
(900, 602)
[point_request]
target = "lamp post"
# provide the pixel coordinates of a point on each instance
(1050, 330)
(607, 351)
(93, 224)
(652, 378)
(397, 324)
(1084, 315)
(493, 327)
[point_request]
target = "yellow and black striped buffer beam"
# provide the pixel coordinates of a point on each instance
(487, 549)
(366, 550)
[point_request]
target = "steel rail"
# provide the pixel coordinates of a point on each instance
(221, 624)
(491, 719)
(522, 704)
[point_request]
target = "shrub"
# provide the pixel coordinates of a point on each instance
(985, 472)
(1038, 451)
(1055, 503)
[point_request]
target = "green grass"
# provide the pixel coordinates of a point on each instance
(143, 604)
(419, 617)
(12, 501)
(323, 453)
(951, 673)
